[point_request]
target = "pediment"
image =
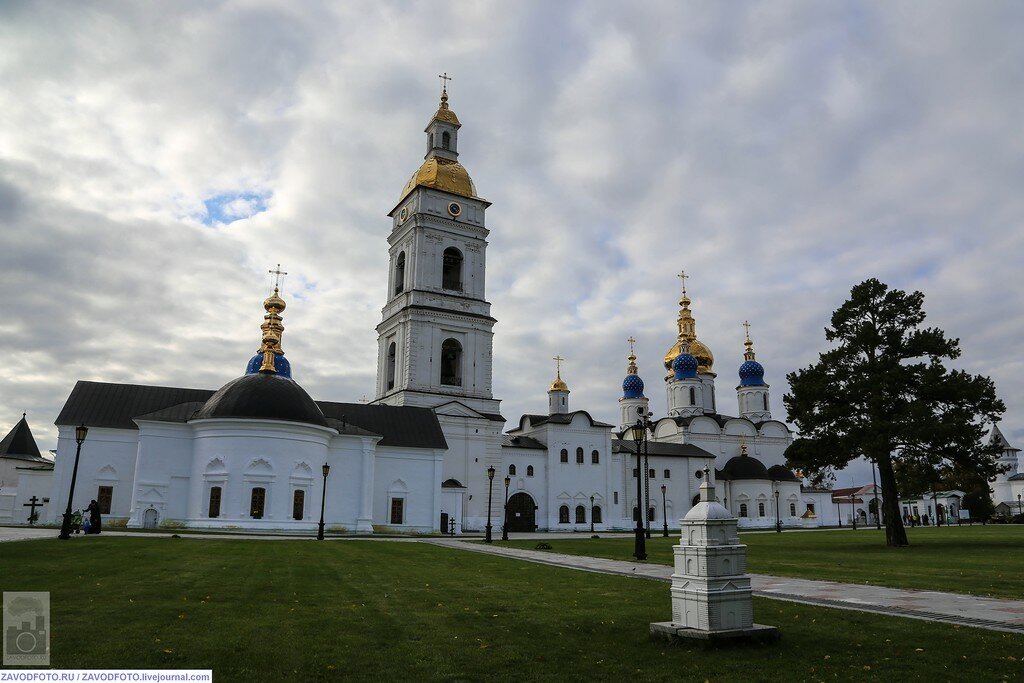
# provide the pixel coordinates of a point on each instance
(456, 409)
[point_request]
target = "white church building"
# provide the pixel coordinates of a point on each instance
(416, 458)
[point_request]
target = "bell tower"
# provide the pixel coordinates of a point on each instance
(436, 330)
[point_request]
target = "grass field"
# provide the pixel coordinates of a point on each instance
(980, 560)
(301, 610)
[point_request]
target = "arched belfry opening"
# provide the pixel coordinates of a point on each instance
(451, 363)
(446, 140)
(451, 274)
(392, 361)
(400, 273)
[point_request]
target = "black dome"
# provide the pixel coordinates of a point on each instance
(263, 396)
(745, 467)
(781, 473)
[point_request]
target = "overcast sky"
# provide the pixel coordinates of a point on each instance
(156, 159)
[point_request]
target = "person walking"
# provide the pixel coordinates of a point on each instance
(95, 520)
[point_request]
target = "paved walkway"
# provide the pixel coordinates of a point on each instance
(951, 608)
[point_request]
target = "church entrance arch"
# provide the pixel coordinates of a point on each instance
(150, 519)
(522, 513)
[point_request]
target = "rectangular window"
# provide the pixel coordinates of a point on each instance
(298, 504)
(398, 510)
(668, 474)
(256, 502)
(214, 510)
(615, 497)
(104, 497)
(810, 508)
(635, 470)
(651, 474)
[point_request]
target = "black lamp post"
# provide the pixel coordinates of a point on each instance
(504, 524)
(664, 512)
(639, 432)
(323, 499)
(853, 509)
(878, 510)
(778, 514)
(1018, 505)
(490, 492)
(81, 432)
(591, 514)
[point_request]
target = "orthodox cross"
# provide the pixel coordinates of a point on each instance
(683, 276)
(444, 81)
(558, 365)
(746, 326)
(631, 342)
(33, 503)
(277, 273)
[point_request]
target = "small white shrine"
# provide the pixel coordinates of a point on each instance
(711, 596)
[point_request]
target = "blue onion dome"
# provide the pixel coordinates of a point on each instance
(751, 373)
(685, 366)
(632, 387)
(281, 365)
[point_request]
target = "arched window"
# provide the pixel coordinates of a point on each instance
(529, 470)
(760, 509)
(792, 509)
(595, 514)
(511, 470)
(563, 514)
(298, 504)
(636, 514)
(668, 474)
(595, 458)
(400, 273)
(451, 273)
(650, 475)
(581, 514)
(392, 358)
(765, 396)
(451, 363)
(579, 455)
(693, 396)
(650, 514)
(257, 500)
(214, 510)
(564, 455)
(743, 509)
(446, 140)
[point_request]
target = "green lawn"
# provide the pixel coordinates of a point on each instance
(302, 610)
(981, 560)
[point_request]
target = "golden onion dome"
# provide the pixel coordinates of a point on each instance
(445, 114)
(699, 350)
(274, 302)
(559, 385)
(441, 174)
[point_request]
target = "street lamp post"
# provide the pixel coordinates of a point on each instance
(504, 523)
(490, 492)
(639, 432)
(878, 510)
(65, 527)
(778, 515)
(323, 500)
(935, 506)
(591, 514)
(1019, 512)
(853, 509)
(664, 512)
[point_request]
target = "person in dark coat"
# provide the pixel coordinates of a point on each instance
(94, 517)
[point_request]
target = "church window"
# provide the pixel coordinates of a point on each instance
(451, 274)
(792, 509)
(104, 497)
(810, 508)
(581, 514)
(595, 458)
(451, 363)
(529, 470)
(595, 514)
(668, 474)
(636, 514)
(298, 504)
(214, 509)
(743, 509)
(256, 502)
(635, 470)
(579, 455)
(693, 396)
(511, 470)
(563, 514)
(392, 360)
(615, 497)
(760, 509)
(398, 510)
(400, 273)
(765, 397)
(564, 455)
(446, 140)
(650, 475)
(650, 514)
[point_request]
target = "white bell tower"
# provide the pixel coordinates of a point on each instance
(633, 404)
(752, 392)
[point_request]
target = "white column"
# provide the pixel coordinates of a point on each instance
(364, 524)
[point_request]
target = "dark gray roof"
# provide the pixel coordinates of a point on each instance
(263, 396)
(781, 473)
(562, 419)
(509, 441)
(1017, 477)
(681, 450)
(19, 443)
(100, 404)
(743, 467)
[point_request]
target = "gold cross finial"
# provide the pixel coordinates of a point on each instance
(277, 273)
(683, 276)
(746, 327)
(631, 342)
(444, 81)
(558, 365)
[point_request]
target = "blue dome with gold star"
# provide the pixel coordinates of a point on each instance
(751, 374)
(685, 366)
(632, 387)
(281, 365)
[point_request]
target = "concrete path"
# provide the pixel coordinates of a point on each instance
(950, 608)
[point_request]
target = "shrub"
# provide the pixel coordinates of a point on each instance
(542, 546)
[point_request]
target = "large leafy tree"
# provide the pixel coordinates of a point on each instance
(883, 393)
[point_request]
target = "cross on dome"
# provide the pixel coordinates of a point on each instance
(277, 273)
(444, 81)
(683, 276)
